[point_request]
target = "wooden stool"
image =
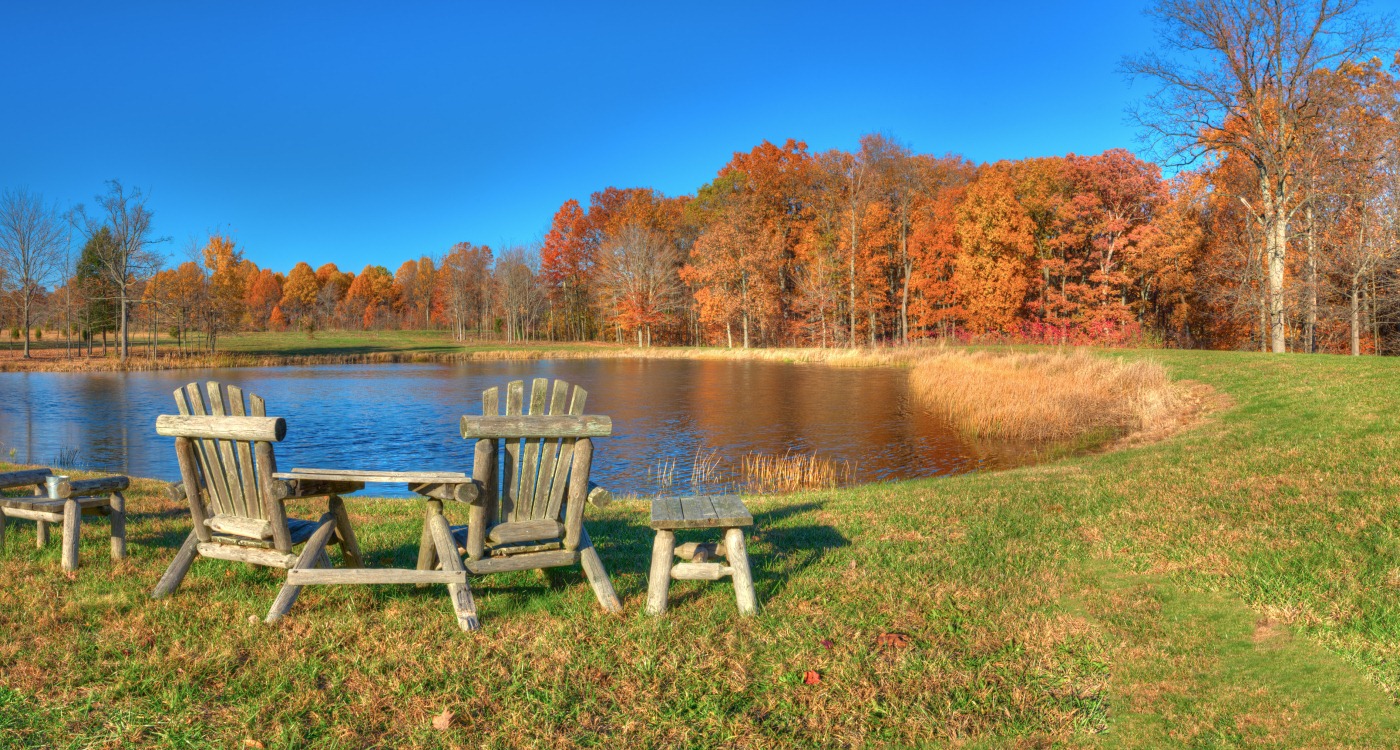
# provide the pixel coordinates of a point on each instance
(701, 512)
(76, 499)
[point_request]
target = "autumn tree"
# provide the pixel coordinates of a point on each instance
(638, 275)
(128, 257)
(32, 245)
(463, 287)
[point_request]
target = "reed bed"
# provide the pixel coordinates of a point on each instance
(794, 472)
(1045, 398)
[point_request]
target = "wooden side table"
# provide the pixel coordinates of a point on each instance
(74, 500)
(727, 512)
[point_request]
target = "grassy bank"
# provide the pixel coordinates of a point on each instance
(1237, 585)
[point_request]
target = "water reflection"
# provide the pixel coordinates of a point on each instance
(404, 417)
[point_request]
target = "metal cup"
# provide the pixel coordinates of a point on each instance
(57, 485)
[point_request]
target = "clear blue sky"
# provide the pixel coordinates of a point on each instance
(374, 132)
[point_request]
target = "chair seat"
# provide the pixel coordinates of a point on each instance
(459, 533)
(45, 505)
(300, 532)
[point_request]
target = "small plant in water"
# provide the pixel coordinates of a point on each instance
(794, 472)
(67, 458)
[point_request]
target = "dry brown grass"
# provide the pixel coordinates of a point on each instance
(1048, 397)
(794, 472)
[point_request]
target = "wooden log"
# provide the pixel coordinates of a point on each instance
(483, 466)
(598, 576)
(349, 544)
(273, 508)
(252, 528)
(42, 516)
(99, 486)
(460, 593)
(2, 529)
(700, 551)
(373, 576)
(372, 475)
(744, 593)
(185, 454)
(599, 497)
(228, 458)
(530, 460)
(175, 491)
(427, 548)
(118, 521)
(518, 427)
(257, 556)
(659, 579)
(461, 492)
(528, 561)
(72, 534)
(178, 568)
(700, 571)
(45, 505)
(41, 532)
(211, 427)
(297, 489)
(578, 492)
(510, 465)
(315, 547)
(25, 478)
(526, 531)
(507, 550)
(549, 454)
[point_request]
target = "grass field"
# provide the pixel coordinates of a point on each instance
(1237, 585)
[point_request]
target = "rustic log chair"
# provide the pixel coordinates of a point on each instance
(533, 469)
(226, 468)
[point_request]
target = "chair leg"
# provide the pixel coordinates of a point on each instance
(72, 532)
(3, 518)
(118, 519)
(460, 593)
(427, 548)
(597, 575)
(349, 545)
(41, 535)
(315, 547)
(178, 568)
(738, 556)
(659, 581)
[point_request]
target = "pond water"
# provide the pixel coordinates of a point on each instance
(404, 417)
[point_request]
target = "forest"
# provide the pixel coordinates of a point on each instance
(1267, 222)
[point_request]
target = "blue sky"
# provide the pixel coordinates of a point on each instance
(372, 133)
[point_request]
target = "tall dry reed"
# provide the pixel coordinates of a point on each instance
(1046, 397)
(794, 472)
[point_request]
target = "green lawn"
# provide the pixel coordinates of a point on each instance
(1238, 585)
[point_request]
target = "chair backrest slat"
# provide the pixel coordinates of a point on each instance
(549, 453)
(510, 473)
(490, 474)
(206, 454)
(232, 472)
(530, 460)
(228, 455)
(566, 459)
(252, 490)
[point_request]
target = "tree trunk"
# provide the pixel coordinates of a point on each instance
(26, 326)
(1275, 248)
(1355, 318)
(1311, 344)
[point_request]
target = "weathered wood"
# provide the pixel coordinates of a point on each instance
(372, 576)
(99, 486)
(349, 544)
(427, 548)
(228, 456)
(468, 492)
(460, 593)
(269, 557)
(310, 555)
(72, 533)
(252, 528)
(300, 489)
(54, 515)
(25, 478)
(365, 476)
(699, 512)
(178, 568)
(252, 484)
(700, 552)
(744, 593)
(530, 461)
(3, 524)
(272, 491)
(41, 532)
(118, 520)
(705, 571)
(549, 454)
(506, 550)
(175, 491)
(206, 452)
(185, 455)
(44, 505)
(598, 576)
(659, 579)
(510, 469)
(598, 497)
(529, 561)
(578, 492)
(211, 427)
(565, 463)
(526, 531)
(519, 427)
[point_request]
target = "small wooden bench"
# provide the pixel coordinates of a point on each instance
(670, 514)
(74, 499)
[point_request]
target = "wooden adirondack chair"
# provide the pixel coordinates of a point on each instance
(226, 465)
(533, 467)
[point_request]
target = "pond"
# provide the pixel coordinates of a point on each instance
(404, 417)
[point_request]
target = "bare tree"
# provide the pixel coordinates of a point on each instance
(33, 241)
(639, 273)
(130, 259)
(518, 291)
(1235, 77)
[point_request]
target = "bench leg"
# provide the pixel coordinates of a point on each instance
(2, 528)
(597, 575)
(427, 548)
(310, 557)
(118, 519)
(72, 532)
(41, 534)
(738, 556)
(659, 582)
(349, 545)
(178, 568)
(460, 593)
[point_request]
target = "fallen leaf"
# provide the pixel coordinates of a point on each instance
(827, 644)
(811, 677)
(250, 742)
(892, 640)
(443, 720)
(253, 619)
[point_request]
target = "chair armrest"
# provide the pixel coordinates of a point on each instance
(296, 489)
